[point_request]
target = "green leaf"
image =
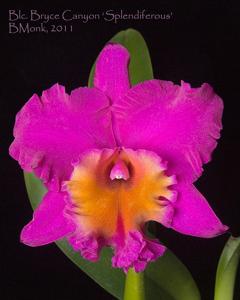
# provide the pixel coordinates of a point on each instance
(167, 278)
(227, 269)
(140, 67)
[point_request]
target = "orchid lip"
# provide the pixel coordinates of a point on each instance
(111, 194)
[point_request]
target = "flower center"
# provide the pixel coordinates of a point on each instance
(117, 191)
(119, 171)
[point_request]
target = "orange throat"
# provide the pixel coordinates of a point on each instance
(115, 191)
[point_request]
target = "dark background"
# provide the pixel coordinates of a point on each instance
(198, 44)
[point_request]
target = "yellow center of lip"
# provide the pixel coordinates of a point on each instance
(100, 201)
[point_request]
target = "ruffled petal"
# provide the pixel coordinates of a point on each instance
(193, 215)
(114, 192)
(111, 72)
(144, 195)
(49, 222)
(51, 131)
(137, 252)
(179, 123)
(88, 245)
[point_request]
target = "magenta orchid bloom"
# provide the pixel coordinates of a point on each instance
(114, 157)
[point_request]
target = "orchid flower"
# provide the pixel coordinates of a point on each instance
(114, 157)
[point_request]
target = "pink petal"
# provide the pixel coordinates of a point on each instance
(51, 131)
(88, 245)
(179, 123)
(49, 222)
(193, 215)
(137, 252)
(111, 72)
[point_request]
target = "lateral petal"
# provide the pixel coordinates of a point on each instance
(53, 130)
(179, 123)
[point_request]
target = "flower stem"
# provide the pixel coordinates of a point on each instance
(134, 286)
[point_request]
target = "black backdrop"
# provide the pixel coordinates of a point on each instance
(198, 44)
